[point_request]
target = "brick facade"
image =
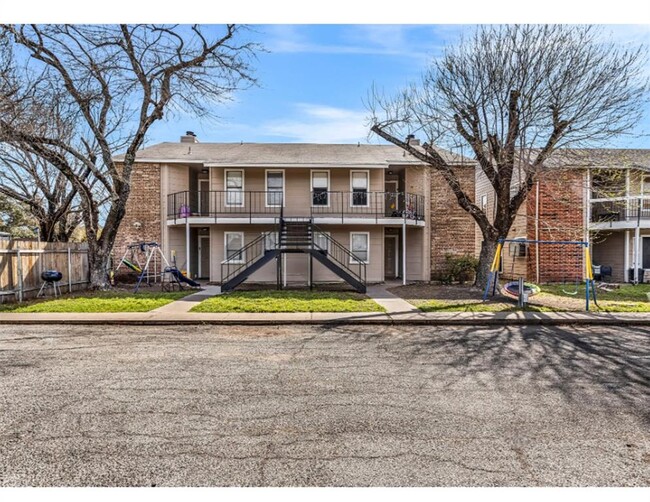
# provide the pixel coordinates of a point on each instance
(561, 218)
(452, 228)
(142, 207)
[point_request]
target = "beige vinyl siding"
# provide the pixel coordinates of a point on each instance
(176, 244)
(178, 178)
(610, 250)
(516, 266)
(483, 187)
(415, 259)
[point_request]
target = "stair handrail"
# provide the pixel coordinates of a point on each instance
(345, 263)
(249, 258)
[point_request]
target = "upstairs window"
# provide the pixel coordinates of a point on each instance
(320, 181)
(359, 185)
(274, 188)
(234, 188)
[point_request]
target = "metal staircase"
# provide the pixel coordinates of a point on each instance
(296, 235)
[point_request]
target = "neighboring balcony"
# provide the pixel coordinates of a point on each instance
(323, 206)
(620, 212)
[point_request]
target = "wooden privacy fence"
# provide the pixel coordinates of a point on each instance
(23, 261)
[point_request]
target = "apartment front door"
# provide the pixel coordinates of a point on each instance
(390, 256)
(204, 256)
(645, 256)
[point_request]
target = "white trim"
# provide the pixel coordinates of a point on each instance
(644, 176)
(199, 250)
(643, 238)
(266, 187)
(395, 182)
(311, 187)
(225, 247)
(367, 204)
(243, 186)
(626, 256)
(396, 241)
(367, 234)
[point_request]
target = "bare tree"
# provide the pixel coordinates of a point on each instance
(44, 190)
(113, 82)
(511, 97)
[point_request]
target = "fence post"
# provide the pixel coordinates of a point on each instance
(69, 270)
(19, 260)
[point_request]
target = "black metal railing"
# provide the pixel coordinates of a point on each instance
(340, 255)
(244, 258)
(224, 204)
(259, 204)
(376, 205)
(620, 210)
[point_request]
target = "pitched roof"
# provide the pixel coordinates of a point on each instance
(284, 154)
(601, 158)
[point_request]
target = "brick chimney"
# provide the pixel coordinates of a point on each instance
(189, 137)
(412, 140)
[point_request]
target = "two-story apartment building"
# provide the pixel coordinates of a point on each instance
(601, 196)
(284, 213)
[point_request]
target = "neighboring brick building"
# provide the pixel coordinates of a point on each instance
(599, 196)
(452, 228)
(142, 221)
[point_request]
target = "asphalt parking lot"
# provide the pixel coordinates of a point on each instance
(326, 406)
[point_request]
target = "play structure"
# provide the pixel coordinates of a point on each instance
(521, 290)
(148, 261)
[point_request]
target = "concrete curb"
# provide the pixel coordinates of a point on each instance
(447, 319)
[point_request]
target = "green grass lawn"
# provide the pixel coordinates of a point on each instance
(98, 301)
(626, 293)
(288, 301)
(473, 306)
(627, 298)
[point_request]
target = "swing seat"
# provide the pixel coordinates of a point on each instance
(574, 292)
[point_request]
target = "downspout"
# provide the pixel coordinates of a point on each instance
(404, 244)
(537, 232)
(187, 246)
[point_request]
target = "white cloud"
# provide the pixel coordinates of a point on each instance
(320, 124)
(386, 40)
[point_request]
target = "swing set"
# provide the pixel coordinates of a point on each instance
(590, 286)
(148, 261)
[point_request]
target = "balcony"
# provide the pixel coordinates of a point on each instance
(323, 206)
(620, 212)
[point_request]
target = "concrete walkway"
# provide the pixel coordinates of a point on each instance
(186, 303)
(392, 303)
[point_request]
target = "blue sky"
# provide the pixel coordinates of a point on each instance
(314, 78)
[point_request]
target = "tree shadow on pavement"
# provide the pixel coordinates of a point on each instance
(605, 367)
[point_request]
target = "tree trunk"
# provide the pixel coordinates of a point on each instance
(98, 266)
(488, 248)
